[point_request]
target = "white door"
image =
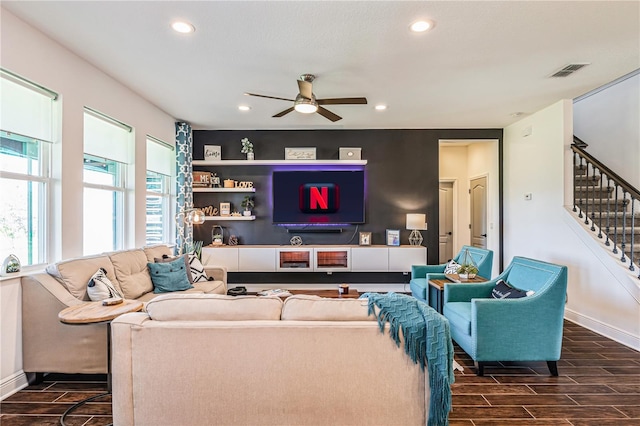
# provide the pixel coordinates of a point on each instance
(478, 193)
(446, 221)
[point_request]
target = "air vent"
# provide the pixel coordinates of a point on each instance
(568, 70)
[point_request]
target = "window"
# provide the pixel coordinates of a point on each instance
(160, 163)
(107, 146)
(27, 121)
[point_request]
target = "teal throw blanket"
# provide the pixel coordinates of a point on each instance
(427, 341)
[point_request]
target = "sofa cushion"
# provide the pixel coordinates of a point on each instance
(504, 290)
(314, 308)
(100, 287)
(459, 315)
(451, 267)
(197, 269)
(132, 272)
(166, 258)
(74, 274)
(169, 276)
(216, 307)
(157, 251)
(419, 287)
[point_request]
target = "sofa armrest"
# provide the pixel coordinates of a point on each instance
(464, 292)
(51, 346)
(219, 273)
(420, 271)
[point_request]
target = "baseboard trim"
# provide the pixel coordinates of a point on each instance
(613, 333)
(13, 384)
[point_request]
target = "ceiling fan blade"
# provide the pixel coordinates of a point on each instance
(328, 114)
(268, 97)
(342, 101)
(306, 89)
(285, 112)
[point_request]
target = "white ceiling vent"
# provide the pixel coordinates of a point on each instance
(567, 70)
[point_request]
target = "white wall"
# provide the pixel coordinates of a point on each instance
(32, 55)
(543, 229)
(608, 122)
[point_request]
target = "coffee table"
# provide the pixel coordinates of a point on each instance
(96, 313)
(436, 290)
(331, 293)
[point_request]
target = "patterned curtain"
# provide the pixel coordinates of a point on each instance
(184, 182)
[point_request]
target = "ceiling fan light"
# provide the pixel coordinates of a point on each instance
(306, 106)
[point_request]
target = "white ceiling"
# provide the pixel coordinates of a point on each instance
(482, 62)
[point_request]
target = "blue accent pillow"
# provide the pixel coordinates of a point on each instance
(169, 276)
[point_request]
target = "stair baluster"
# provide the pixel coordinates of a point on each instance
(608, 229)
(622, 206)
(631, 267)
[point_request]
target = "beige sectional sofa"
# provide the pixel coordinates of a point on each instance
(50, 346)
(219, 360)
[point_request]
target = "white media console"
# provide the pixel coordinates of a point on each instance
(317, 258)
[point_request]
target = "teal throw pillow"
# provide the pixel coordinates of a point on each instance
(170, 276)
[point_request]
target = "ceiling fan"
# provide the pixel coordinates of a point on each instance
(307, 103)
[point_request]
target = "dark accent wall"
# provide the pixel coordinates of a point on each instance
(401, 174)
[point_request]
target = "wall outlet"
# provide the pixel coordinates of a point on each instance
(528, 196)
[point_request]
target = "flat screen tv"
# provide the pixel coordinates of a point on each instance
(328, 197)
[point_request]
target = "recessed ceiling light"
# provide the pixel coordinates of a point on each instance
(244, 107)
(422, 26)
(381, 107)
(183, 27)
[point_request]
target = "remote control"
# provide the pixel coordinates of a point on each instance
(112, 301)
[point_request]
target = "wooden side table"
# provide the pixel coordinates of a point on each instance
(436, 290)
(95, 313)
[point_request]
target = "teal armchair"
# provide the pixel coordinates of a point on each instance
(524, 329)
(421, 274)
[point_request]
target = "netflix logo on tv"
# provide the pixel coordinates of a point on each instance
(318, 197)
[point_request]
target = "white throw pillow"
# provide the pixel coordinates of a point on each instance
(197, 270)
(100, 287)
(452, 267)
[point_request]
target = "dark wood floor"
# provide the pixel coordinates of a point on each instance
(599, 385)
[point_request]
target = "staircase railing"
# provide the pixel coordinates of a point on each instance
(609, 202)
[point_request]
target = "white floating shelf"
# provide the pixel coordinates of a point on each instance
(224, 189)
(217, 218)
(279, 162)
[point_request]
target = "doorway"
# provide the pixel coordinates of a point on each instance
(478, 192)
(446, 222)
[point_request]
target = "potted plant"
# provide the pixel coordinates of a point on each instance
(248, 204)
(247, 148)
(468, 268)
(467, 271)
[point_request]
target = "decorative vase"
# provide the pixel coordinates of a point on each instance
(250, 156)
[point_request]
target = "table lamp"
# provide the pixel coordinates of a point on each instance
(416, 222)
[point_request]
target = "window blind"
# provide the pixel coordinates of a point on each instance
(106, 138)
(160, 157)
(25, 109)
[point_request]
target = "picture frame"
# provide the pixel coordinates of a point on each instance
(225, 209)
(300, 153)
(365, 238)
(212, 152)
(393, 237)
